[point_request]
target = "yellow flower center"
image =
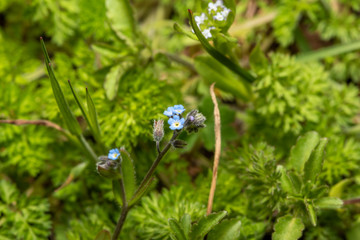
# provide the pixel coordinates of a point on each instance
(114, 155)
(176, 124)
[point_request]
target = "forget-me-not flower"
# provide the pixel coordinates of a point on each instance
(178, 109)
(114, 154)
(176, 123)
(169, 111)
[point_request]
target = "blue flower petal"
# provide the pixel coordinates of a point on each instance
(170, 121)
(176, 117)
(182, 121)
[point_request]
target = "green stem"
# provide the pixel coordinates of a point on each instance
(124, 212)
(87, 147)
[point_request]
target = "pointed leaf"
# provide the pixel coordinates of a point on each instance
(257, 59)
(186, 224)
(212, 71)
(63, 105)
(103, 235)
(288, 227)
(314, 165)
(226, 230)
(311, 212)
(176, 229)
(112, 80)
(121, 18)
(128, 174)
(217, 55)
(179, 29)
(207, 223)
(93, 115)
(286, 183)
(337, 189)
(301, 152)
(329, 203)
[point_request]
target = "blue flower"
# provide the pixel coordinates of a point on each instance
(179, 109)
(114, 154)
(176, 123)
(169, 111)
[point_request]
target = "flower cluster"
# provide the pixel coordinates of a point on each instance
(175, 121)
(217, 13)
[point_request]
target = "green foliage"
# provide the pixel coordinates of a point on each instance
(288, 227)
(22, 217)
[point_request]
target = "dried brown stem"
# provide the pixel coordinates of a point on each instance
(33, 122)
(217, 129)
(351, 201)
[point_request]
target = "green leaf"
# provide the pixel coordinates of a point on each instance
(205, 224)
(311, 212)
(301, 152)
(288, 228)
(112, 80)
(328, 52)
(258, 59)
(121, 18)
(219, 56)
(329, 203)
(314, 165)
(93, 115)
(287, 183)
(63, 105)
(212, 71)
(186, 224)
(296, 181)
(226, 230)
(181, 30)
(230, 4)
(128, 174)
(116, 187)
(337, 189)
(176, 229)
(103, 235)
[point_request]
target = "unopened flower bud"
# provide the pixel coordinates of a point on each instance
(158, 131)
(108, 168)
(179, 143)
(194, 121)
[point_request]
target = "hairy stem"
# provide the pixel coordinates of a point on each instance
(144, 183)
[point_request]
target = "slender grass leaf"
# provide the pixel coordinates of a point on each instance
(93, 114)
(301, 152)
(176, 229)
(212, 71)
(200, 229)
(181, 30)
(314, 165)
(328, 52)
(103, 235)
(245, 75)
(288, 227)
(226, 230)
(63, 105)
(128, 174)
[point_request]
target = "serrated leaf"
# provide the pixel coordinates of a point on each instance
(258, 59)
(245, 75)
(176, 229)
(288, 228)
(205, 224)
(212, 71)
(314, 165)
(128, 174)
(301, 152)
(63, 105)
(112, 80)
(337, 189)
(226, 230)
(93, 115)
(311, 212)
(329, 203)
(103, 235)
(121, 18)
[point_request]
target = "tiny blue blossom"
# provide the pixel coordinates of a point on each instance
(179, 109)
(176, 123)
(114, 154)
(169, 111)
